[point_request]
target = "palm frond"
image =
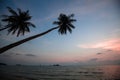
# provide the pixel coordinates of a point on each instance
(56, 22)
(72, 26)
(72, 20)
(30, 24)
(19, 11)
(69, 29)
(5, 16)
(11, 11)
(71, 15)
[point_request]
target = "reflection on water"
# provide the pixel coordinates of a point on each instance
(111, 72)
(60, 72)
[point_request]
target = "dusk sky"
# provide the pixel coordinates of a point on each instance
(96, 37)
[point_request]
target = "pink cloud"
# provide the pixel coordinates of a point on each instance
(113, 44)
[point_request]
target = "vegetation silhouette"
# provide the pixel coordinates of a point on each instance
(18, 23)
(3, 64)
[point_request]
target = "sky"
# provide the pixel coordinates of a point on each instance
(96, 38)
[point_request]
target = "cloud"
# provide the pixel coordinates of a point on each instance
(10, 54)
(108, 50)
(30, 55)
(99, 53)
(113, 44)
(5, 55)
(17, 54)
(93, 59)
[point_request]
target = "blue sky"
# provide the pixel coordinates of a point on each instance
(97, 31)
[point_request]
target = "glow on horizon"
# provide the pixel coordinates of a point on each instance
(113, 44)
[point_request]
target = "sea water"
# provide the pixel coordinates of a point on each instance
(107, 72)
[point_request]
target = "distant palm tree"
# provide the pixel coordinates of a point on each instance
(64, 24)
(17, 22)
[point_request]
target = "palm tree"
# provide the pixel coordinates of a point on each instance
(17, 22)
(64, 24)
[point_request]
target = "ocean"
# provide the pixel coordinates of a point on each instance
(107, 72)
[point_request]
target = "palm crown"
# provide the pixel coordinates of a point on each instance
(18, 22)
(65, 23)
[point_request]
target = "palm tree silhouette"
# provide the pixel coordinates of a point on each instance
(17, 22)
(64, 24)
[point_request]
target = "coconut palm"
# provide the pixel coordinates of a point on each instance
(17, 22)
(64, 24)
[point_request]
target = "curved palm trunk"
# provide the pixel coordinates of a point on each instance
(3, 49)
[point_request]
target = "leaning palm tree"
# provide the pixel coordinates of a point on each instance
(17, 22)
(64, 24)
